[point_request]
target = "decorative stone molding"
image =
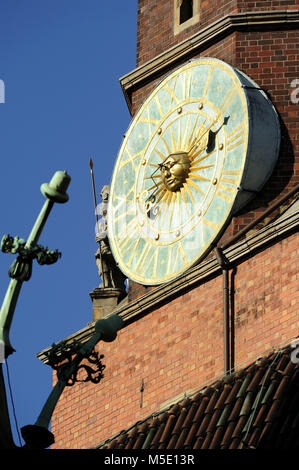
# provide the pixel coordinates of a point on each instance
(259, 20)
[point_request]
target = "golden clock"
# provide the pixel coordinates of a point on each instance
(201, 145)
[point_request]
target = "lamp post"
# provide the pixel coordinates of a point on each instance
(20, 271)
(37, 436)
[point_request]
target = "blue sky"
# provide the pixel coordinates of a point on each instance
(60, 61)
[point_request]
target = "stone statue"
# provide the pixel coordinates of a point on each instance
(112, 276)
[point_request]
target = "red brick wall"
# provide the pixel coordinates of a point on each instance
(262, 5)
(267, 300)
(179, 347)
(156, 19)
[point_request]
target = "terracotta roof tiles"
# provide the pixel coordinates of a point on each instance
(257, 407)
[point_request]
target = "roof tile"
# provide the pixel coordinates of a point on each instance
(244, 385)
(237, 405)
(214, 420)
(201, 409)
(222, 398)
(234, 390)
(190, 415)
(269, 392)
(159, 428)
(256, 379)
(281, 388)
(191, 436)
(141, 436)
(203, 425)
(217, 438)
(167, 430)
(213, 400)
(246, 407)
(147, 442)
(254, 438)
(226, 440)
(208, 439)
(181, 440)
(224, 415)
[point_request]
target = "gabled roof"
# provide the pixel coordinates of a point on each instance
(256, 407)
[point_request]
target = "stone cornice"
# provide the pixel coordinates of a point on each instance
(283, 225)
(259, 20)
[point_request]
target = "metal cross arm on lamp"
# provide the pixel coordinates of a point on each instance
(37, 436)
(20, 271)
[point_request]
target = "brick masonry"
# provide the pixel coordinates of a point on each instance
(179, 346)
(155, 21)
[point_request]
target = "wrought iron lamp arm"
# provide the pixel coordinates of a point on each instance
(37, 435)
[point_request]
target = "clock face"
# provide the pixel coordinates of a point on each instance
(178, 171)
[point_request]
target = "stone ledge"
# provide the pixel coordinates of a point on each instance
(247, 247)
(262, 20)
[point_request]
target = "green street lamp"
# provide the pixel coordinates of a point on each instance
(20, 270)
(66, 359)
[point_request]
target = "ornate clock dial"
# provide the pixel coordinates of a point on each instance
(181, 167)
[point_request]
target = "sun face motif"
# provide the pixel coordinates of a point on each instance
(175, 170)
(180, 167)
(175, 166)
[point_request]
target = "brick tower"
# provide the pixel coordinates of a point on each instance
(207, 360)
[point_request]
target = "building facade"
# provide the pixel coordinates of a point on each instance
(188, 345)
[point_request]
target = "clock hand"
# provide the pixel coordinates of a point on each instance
(156, 186)
(203, 134)
(160, 166)
(208, 130)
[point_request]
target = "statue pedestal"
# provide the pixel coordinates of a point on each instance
(105, 300)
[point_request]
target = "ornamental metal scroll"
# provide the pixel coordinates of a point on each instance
(21, 268)
(60, 358)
